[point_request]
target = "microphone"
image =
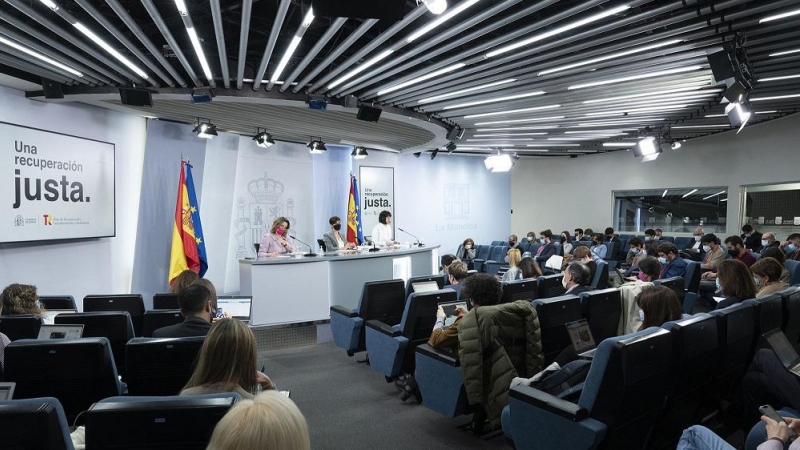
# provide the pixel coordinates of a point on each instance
(310, 249)
(374, 249)
(406, 232)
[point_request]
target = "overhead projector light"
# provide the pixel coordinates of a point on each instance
(264, 139)
(317, 147)
(739, 114)
(435, 6)
(205, 130)
(500, 162)
(359, 153)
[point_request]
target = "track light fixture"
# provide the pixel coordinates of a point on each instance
(648, 148)
(434, 153)
(359, 153)
(451, 147)
(739, 113)
(263, 139)
(499, 162)
(316, 146)
(205, 130)
(435, 6)
(417, 154)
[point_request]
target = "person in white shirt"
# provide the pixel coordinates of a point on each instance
(382, 232)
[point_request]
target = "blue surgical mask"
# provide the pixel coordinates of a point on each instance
(635, 251)
(790, 248)
(641, 315)
(662, 260)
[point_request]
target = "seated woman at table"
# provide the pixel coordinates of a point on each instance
(334, 240)
(382, 234)
(275, 242)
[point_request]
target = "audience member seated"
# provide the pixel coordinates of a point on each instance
(456, 274)
(576, 279)
(696, 246)
(672, 265)
(20, 299)
(791, 247)
(227, 363)
(737, 250)
(774, 436)
(636, 252)
(275, 243)
(269, 421)
(649, 268)
(529, 268)
(735, 283)
(584, 255)
(588, 232)
(598, 249)
(651, 248)
(768, 241)
(480, 289)
(714, 254)
(211, 289)
(333, 239)
(751, 238)
(659, 234)
(566, 243)
(767, 382)
(649, 235)
(512, 258)
(578, 234)
(531, 237)
(4, 340)
(767, 275)
(513, 242)
(546, 249)
(183, 279)
(446, 260)
(777, 253)
(467, 251)
(611, 237)
(196, 307)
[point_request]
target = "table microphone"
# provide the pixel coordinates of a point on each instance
(406, 232)
(310, 249)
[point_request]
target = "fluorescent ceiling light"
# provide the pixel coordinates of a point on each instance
(689, 193)
(501, 139)
(558, 30)
(584, 138)
(784, 77)
(181, 5)
(787, 52)
(97, 40)
(614, 123)
(713, 195)
(508, 134)
(619, 144)
(40, 56)
(309, 17)
(512, 111)
(198, 49)
(635, 77)
(537, 119)
(360, 68)
(465, 91)
(715, 115)
(50, 4)
(776, 97)
(636, 110)
(286, 56)
(422, 78)
(496, 99)
(553, 144)
(665, 193)
(587, 62)
(442, 19)
(435, 6)
(780, 16)
(724, 200)
(649, 94)
(767, 112)
(491, 130)
(601, 132)
(686, 127)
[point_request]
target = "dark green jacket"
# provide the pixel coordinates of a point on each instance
(496, 344)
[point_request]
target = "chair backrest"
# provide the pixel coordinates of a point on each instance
(625, 386)
(559, 248)
(166, 301)
(161, 318)
(768, 312)
(519, 290)
(132, 303)
(692, 276)
(668, 239)
(496, 243)
(696, 344)
(114, 326)
(791, 313)
(420, 315)
(610, 248)
(160, 366)
(603, 310)
(677, 284)
(794, 271)
(482, 251)
(58, 302)
(498, 253)
(410, 289)
(600, 278)
(383, 300)
(737, 332)
(550, 286)
(78, 372)
(683, 242)
(553, 315)
(533, 248)
(34, 423)
(322, 246)
(524, 247)
(22, 326)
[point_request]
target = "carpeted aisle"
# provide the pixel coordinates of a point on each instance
(350, 406)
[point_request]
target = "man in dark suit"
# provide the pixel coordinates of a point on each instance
(577, 278)
(751, 237)
(546, 249)
(611, 237)
(195, 303)
(672, 265)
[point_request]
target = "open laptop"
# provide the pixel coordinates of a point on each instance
(450, 310)
(49, 316)
(784, 350)
(236, 306)
(7, 391)
(582, 339)
(60, 332)
(554, 262)
(424, 286)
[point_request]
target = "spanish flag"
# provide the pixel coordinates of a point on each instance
(355, 233)
(188, 245)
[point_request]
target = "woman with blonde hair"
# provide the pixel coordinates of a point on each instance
(227, 362)
(20, 299)
(270, 421)
(183, 279)
(276, 242)
(513, 272)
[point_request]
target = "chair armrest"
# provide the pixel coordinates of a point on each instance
(478, 260)
(549, 403)
(341, 310)
(442, 355)
(388, 330)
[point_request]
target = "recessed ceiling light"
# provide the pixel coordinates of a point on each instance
(775, 97)
(784, 77)
(787, 52)
(780, 16)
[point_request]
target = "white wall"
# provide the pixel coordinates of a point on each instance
(564, 193)
(93, 266)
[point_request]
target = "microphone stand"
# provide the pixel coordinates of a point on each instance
(406, 232)
(310, 249)
(374, 249)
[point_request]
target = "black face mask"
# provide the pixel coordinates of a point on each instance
(511, 243)
(733, 252)
(337, 227)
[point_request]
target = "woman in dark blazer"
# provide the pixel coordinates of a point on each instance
(333, 239)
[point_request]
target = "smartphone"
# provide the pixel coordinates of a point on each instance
(220, 314)
(770, 412)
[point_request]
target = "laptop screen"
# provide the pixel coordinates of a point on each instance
(782, 347)
(425, 286)
(49, 316)
(450, 310)
(235, 306)
(61, 332)
(581, 335)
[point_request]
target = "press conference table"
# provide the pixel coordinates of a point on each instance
(296, 289)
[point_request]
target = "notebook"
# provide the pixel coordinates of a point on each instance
(236, 306)
(784, 350)
(450, 309)
(581, 337)
(424, 286)
(49, 316)
(60, 332)
(7, 391)
(554, 262)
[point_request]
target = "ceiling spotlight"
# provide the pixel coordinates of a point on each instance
(676, 145)
(450, 147)
(263, 139)
(435, 6)
(359, 153)
(205, 130)
(434, 153)
(739, 114)
(499, 162)
(316, 146)
(417, 154)
(648, 148)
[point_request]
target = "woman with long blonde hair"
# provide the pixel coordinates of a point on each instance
(513, 272)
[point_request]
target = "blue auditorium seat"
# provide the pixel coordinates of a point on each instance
(381, 300)
(550, 286)
(553, 315)
(58, 302)
(791, 313)
(736, 328)
(160, 366)
(677, 284)
(600, 278)
(618, 404)
(768, 316)
(519, 290)
(794, 271)
(441, 384)
(439, 279)
(603, 310)
(160, 318)
(115, 326)
(692, 276)
(684, 242)
(18, 416)
(389, 345)
(496, 258)
(498, 243)
(481, 255)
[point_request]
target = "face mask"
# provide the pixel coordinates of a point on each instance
(468, 246)
(648, 238)
(280, 230)
(531, 238)
(511, 243)
(641, 315)
(642, 276)
(635, 251)
(564, 282)
(733, 252)
(337, 227)
(790, 248)
(541, 240)
(757, 280)
(706, 248)
(764, 242)
(697, 238)
(719, 287)
(748, 235)
(662, 260)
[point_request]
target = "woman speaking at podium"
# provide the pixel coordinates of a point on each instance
(382, 232)
(275, 242)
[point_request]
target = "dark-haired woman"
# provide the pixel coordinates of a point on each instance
(333, 239)
(382, 233)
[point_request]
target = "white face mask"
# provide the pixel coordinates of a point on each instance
(764, 242)
(564, 282)
(641, 315)
(706, 248)
(697, 238)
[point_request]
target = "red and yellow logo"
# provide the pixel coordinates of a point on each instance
(48, 219)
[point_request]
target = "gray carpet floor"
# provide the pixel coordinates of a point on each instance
(350, 406)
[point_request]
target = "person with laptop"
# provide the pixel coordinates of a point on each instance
(456, 274)
(481, 289)
(195, 302)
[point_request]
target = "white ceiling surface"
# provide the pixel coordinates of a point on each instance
(518, 74)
